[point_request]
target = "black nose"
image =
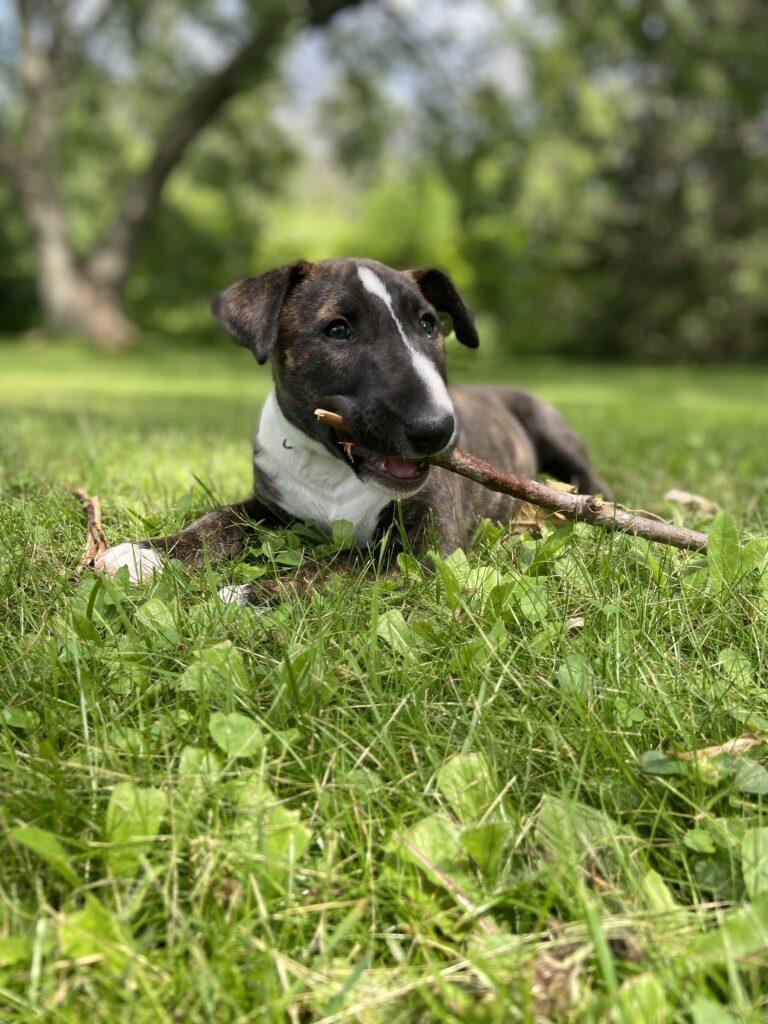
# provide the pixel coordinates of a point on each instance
(428, 437)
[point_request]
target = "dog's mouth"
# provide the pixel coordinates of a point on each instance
(390, 471)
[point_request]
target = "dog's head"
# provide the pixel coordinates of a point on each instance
(363, 340)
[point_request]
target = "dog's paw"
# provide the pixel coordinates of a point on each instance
(240, 595)
(141, 561)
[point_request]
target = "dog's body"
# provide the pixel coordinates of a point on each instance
(364, 340)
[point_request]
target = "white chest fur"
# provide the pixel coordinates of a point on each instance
(310, 483)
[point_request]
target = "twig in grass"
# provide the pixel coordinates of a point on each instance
(585, 508)
(95, 541)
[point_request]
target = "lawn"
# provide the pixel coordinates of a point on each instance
(435, 796)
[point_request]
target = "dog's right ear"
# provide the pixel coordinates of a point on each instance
(250, 310)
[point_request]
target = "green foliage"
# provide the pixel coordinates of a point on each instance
(412, 795)
(603, 197)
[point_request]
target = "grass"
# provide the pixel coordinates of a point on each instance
(376, 798)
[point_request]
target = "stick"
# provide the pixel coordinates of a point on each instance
(95, 541)
(586, 508)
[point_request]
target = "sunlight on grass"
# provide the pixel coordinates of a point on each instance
(446, 796)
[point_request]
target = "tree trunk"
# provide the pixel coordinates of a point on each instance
(69, 298)
(73, 303)
(85, 296)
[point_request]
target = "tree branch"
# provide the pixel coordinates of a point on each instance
(586, 508)
(581, 508)
(111, 259)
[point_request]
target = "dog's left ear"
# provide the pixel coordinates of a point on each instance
(438, 289)
(250, 310)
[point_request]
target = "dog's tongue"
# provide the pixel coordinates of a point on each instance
(403, 469)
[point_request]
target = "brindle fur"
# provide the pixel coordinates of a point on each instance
(277, 315)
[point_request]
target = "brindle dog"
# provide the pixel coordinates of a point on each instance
(366, 341)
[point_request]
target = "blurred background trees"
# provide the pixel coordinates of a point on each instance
(594, 175)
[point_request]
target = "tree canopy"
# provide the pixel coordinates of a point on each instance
(593, 174)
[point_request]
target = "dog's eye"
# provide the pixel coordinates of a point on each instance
(429, 323)
(339, 330)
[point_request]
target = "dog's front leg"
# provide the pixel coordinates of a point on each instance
(214, 537)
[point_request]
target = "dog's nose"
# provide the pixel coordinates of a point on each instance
(428, 437)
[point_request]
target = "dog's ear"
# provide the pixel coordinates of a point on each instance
(438, 289)
(250, 310)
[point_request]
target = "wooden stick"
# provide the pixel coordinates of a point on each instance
(586, 508)
(95, 541)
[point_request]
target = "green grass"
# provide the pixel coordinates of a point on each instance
(328, 856)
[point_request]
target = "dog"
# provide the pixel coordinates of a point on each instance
(366, 341)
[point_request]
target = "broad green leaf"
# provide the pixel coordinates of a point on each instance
(736, 665)
(14, 950)
(156, 616)
(453, 572)
(575, 674)
(363, 780)
(124, 737)
(748, 776)
(698, 840)
(433, 845)
(393, 629)
(198, 768)
(409, 566)
(656, 762)
(481, 580)
(466, 783)
(754, 861)
(485, 845)
(265, 830)
(250, 791)
(707, 1011)
(549, 550)
(570, 827)
(723, 552)
(20, 718)
(742, 933)
(459, 563)
(717, 875)
(532, 600)
(133, 823)
(501, 597)
(199, 771)
(95, 932)
(289, 557)
(642, 1000)
(283, 838)
(436, 842)
(236, 734)
(295, 666)
(728, 833)
(218, 669)
(85, 629)
(247, 572)
(657, 893)
(48, 847)
(629, 716)
(343, 535)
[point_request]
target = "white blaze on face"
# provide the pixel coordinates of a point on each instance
(424, 367)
